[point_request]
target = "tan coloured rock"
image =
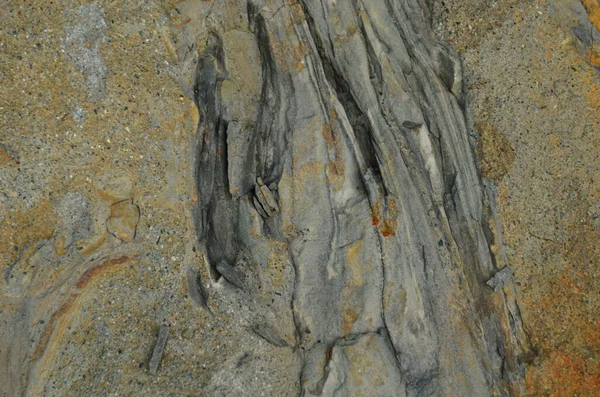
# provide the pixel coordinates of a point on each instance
(123, 220)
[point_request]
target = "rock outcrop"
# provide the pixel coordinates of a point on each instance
(339, 201)
(246, 197)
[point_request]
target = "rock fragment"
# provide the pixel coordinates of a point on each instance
(266, 201)
(230, 274)
(196, 290)
(501, 279)
(159, 349)
(411, 125)
(269, 334)
(123, 220)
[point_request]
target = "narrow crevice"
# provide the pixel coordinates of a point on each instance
(269, 144)
(358, 120)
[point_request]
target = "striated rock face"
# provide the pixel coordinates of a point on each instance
(310, 220)
(339, 200)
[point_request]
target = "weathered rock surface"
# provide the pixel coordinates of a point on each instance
(532, 83)
(377, 212)
(288, 190)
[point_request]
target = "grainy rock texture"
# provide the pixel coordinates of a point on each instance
(273, 197)
(532, 82)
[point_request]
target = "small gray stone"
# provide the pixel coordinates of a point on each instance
(159, 349)
(501, 278)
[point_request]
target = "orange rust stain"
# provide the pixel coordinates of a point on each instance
(593, 10)
(592, 95)
(327, 133)
(565, 376)
(392, 205)
(375, 221)
(66, 306)
(591, 335)
(593, 55)
(309, 170)
(387, 228)
(328, 353)
(377, 210)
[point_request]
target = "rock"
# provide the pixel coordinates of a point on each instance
(195, 288)
(501, 279)
(266, 201)
(322, 205)
(363, 354)
(123, 220)
(159, 349)
(230, 274)
(361, 203)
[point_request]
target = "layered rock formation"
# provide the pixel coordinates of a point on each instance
(338, 192)
(312, 221)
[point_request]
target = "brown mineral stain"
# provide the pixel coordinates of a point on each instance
(354, 258)
(554, 140)
(327, 133)
(94, 272)
(59, 246)
(182, 23)
(333, 115)
(593, 10)
(387, 229)
(83, 281)
(328, 354)
(349, 317)
(25, 227)
(5, 158)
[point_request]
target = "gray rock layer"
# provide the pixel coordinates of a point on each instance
(339, 197)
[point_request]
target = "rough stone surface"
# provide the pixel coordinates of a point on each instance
(501, 279)
(290, 191)
(531, 78)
